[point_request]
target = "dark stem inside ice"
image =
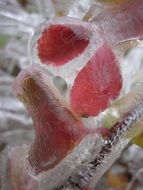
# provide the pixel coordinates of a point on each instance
(110, 151)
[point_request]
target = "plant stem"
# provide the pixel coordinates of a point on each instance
(120, 135)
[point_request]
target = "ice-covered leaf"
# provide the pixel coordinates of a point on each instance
(58, 129)
(60, 44)
(121, 22)
(98, 83)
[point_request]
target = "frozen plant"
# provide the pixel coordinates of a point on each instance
(73, 147)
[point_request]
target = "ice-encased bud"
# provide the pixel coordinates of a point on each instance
(57, 128)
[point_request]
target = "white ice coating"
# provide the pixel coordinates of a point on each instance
(78, 158)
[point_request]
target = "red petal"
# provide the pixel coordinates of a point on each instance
(97, 83)
(60, 44)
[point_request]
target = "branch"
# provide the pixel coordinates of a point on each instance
(130, 125)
